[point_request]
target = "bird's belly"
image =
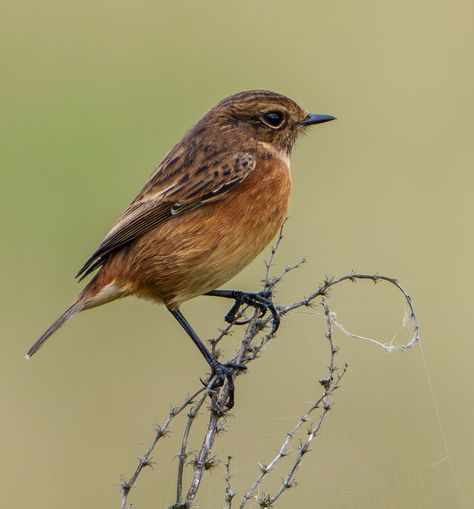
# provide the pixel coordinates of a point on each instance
(201, 250)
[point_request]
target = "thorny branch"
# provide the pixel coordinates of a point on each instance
(160, 432)
(329, 383)
(229, 494)
(255, 338)
(183, 455)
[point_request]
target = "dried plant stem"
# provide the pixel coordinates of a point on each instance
(324, 288)
(273, 251)
(202, 462)
(160, 432)
(330, 383)
(191, 415)
(229, 493)
(255, 338)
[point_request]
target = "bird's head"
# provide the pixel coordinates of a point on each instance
(258, 116)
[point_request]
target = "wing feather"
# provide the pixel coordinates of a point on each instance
(174, 188)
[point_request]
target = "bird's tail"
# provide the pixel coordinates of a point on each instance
(70, 311)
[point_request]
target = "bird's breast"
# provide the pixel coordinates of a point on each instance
(201, 250)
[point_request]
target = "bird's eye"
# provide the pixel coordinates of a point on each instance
(273, 118)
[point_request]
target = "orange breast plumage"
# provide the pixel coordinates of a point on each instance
(202, 249)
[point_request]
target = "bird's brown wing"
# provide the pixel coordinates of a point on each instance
(173, 190)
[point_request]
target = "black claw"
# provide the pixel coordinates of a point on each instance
(240, 322)
(260, 301)
(232, 313)
(275, 318)
(218, 382)
(225, 372)
(237, 366)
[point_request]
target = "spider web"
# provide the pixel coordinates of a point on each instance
(409, 486)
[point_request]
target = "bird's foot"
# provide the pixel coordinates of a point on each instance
(258, 300)
(223, 372)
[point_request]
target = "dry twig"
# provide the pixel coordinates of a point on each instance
(255, 338)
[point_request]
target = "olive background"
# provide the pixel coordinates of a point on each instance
(92, 96)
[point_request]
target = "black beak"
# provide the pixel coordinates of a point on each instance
(314, 118)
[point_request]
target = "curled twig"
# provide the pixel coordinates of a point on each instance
(324, 288)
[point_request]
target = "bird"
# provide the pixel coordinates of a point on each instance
(213, 203)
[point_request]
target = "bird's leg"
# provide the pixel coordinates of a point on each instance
(259, 300)
(219, 370)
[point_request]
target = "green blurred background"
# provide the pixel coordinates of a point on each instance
(92, 95)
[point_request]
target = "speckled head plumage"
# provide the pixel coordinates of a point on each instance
(256, 116)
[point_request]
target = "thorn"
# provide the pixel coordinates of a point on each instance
(144, 462)
(125, 486)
